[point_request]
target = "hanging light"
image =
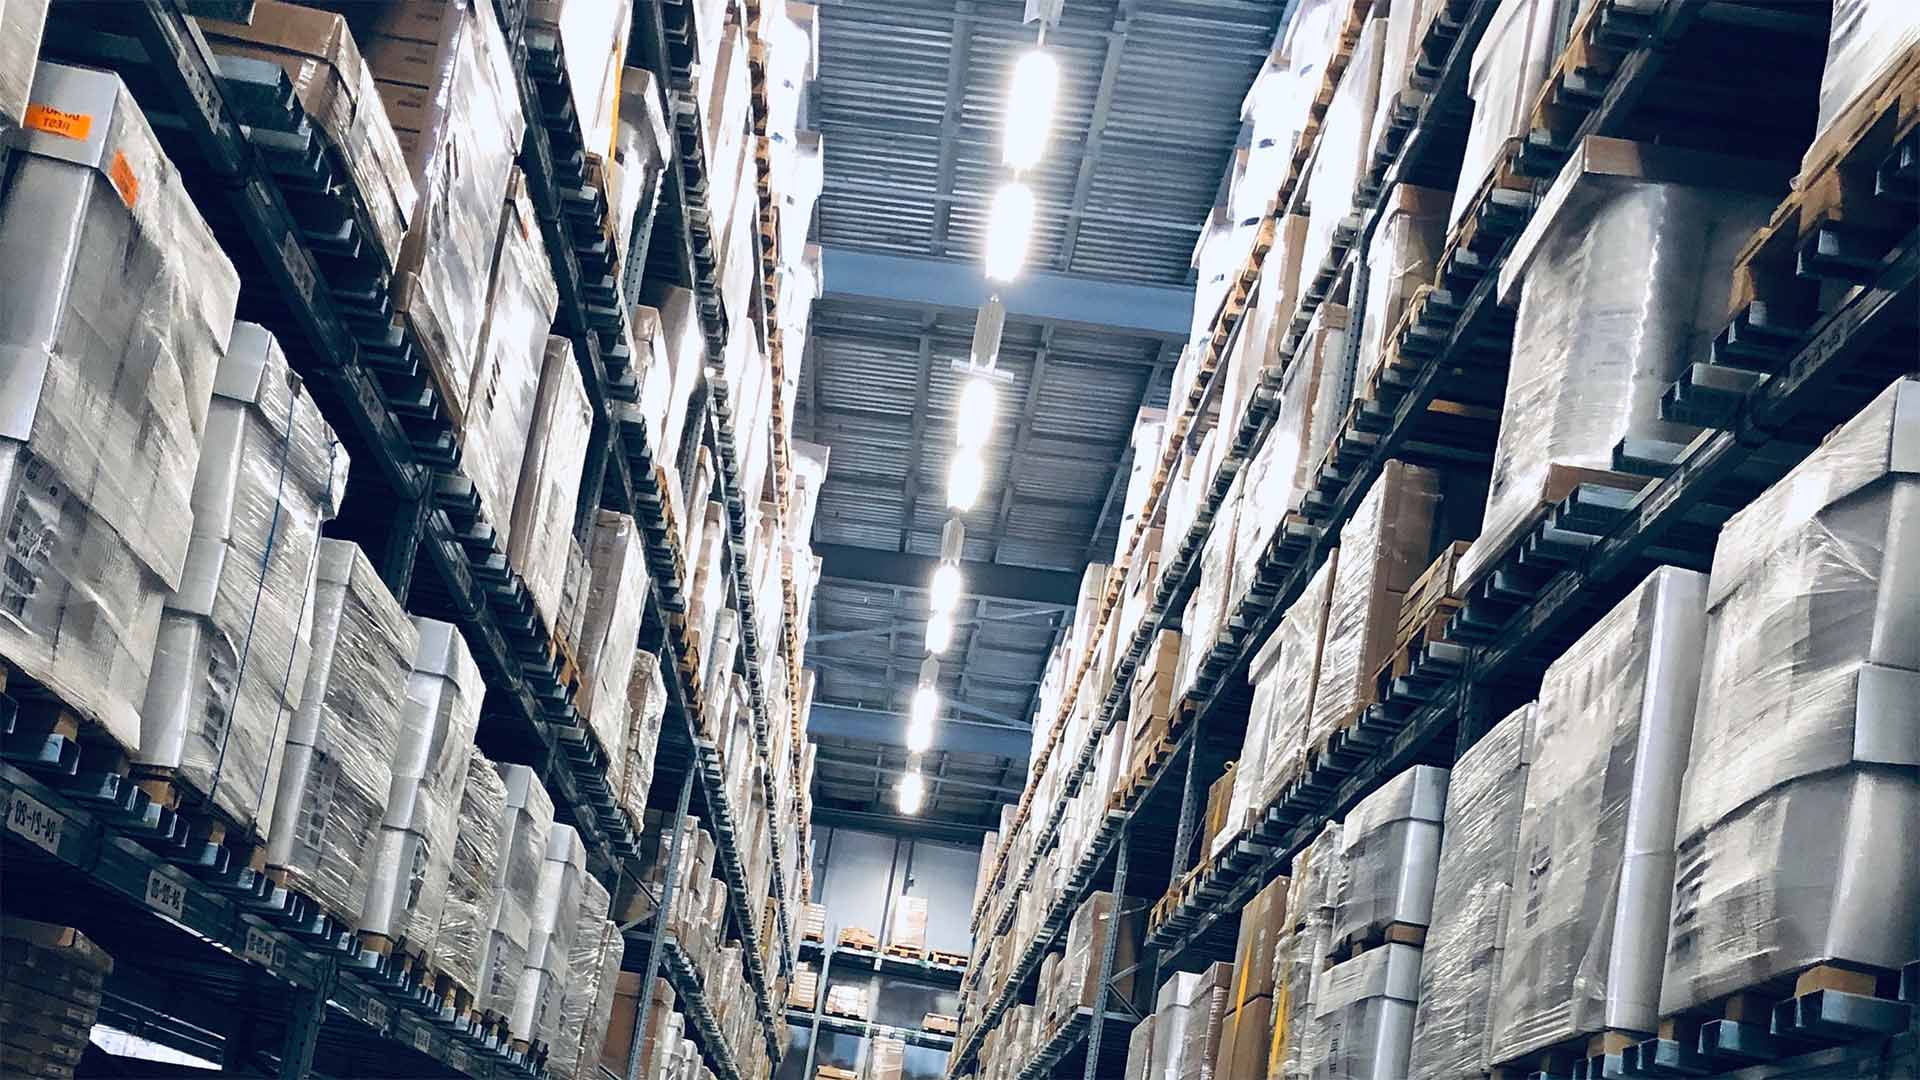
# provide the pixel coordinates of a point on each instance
(926, 707)
(939, 632)
(943, 593)
(1031, 94)
(1010, 221)
(973, 415)
(919, 734)
(912, 792)
(964, 476)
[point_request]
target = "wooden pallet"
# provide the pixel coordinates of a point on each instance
(915, 953)
(1756, 1004)
(854, 937)
(1836, 187)
(940, 1023)
(1591, 56)
(1503, 178)
(1373, 937)
(950, 959)
(1559, 1059)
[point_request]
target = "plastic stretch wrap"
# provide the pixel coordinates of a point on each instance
(581, 988)
(1399, 46)
(1300, 955)
(1303, 425)
(337, 772)
(1285, 693)
(1594, 878)
(1627, 287)
(1806, 738)
(1340, 157)
(1405, 248)
(1390, 849)
(1460, 966)
(549, 487)
(460, 942)
(593, 42)
(231, 657)
(21, 22)
(1140, 1051)
(413, 860)
(526, 818)
(1383, 549)
(556, 912)
(112, 325)
(1364, 1016)
(462, 156)
(1171, 1017)
(513, 346)
(1864, 39)
(616, 600)
(1206, 1019)
(1509, 67)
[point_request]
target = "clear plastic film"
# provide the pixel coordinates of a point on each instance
(1864, 40)
(460, 942)
(580, 985)
(1399, 45)
(1207, 1003)
(1460, 966)
(556, 914)
(230, 662)
(1302, 429)
(593, 42)
(112, 325)
(21, 22)
(1383, 550)
(526, 818)
(1299, 957)
(413, 859)
(1287, 692)
(1401, 258)
(1340, 157)
(1626, 288)
(1805, 739)
(1509, 66)
(549, 487)
(1587, 932)
(513, 346)
(1389, 852)
(616, 602)
(1363, 1016)
(337, 770)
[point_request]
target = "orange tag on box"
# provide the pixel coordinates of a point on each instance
(54, 122)
(124, 182)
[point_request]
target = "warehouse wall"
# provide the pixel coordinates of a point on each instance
(856, 875)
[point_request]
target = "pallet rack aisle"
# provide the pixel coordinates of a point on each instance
(875, 966)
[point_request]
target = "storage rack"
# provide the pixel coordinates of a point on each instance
(867, 961)
(1461, 340)
(253, 949)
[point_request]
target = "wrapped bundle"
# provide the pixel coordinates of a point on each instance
(1340, 156)
(646, 707)
(593, 43)
(1389, 852)
(115, 316)
(1364, 1014)
(1291, 680)
(1300, 956)
(616, 600)
(337, 770)
(465, 918)
(548, 491)
(1509, 66)
(21, 23)
(526, 817)
(556, 915)
(1867, 40)
(1401, 258)
(587, 984)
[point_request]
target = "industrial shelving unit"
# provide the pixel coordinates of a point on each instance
(1601, 542)
(240, 957)
(868, 963)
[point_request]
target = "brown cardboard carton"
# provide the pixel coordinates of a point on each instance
(1261, 922)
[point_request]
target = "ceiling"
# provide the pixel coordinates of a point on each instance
(909, 99)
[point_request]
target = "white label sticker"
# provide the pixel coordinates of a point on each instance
(457, 1058)
(165, 894)
(29, 817)
(261, 948)
(423, 1039)
(377, 1013)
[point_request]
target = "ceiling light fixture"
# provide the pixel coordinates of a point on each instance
(965, 476)
(939, 633)
(912, 792)
(1009, 223)
(943, 592)
(973, 418)
(1031, 95)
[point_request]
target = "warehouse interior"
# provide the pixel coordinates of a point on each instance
(960, 539)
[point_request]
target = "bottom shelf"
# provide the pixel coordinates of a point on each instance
(867, 1029)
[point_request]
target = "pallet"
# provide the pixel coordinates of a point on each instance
(1596, 45)
(854, 937)
(1178, 894)
(1821, 1004)
(940, 1024)
(1562, 1058)
(914, 953)
(1373, 937)
(1410, 654)
(1492, 214)
(949, 959)
(1562, 482)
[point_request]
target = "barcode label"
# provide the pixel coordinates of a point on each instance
(29, 817)
(261, 948)
(423, 1040)
(377, 1013)
(165, 894)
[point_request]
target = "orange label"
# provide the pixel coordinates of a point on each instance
(54, 122)
(127, 184)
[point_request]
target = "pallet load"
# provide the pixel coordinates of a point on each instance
(1460, 963)
(1140, 1050)
(1389, 853)
(1340, 157)
(595, 942)
(21, 23)
(1587, 926)
(549, 484)
(646, 709)
(460, 941)
(1619, 279)
(1299, 955)
(1098, 918)
(1509, 67)
(526, 818)
(336, 774)
(1804, 743)
(1247, 1034)
(658, 1043)
(888, 1059)
(413, 855)
(848, 1000)
(1284, 692)
(592, 40)
(907, 932)
(1401, 259)
(118, 311)
(615, 602)
(556, 907)
(1363, 1015)
(1866, 39)
(52, 979)
(230, 661)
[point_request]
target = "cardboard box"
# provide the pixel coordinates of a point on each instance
(1262, 921)
(1245, 1041)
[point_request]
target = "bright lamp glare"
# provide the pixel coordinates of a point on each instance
(944, 591)
(1030, 100)
(912, 792)
(919, 735)
(964, 478)
(926, 707)
(939, 633)
(973, 419)
(1010, 222)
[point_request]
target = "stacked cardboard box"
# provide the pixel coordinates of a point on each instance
(1247, 1033)
(21, 24)
(51, 980)
(1389, 854)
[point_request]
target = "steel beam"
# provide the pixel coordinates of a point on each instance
(913, 828)
(846, 562)
(889, 729)
(955, 284)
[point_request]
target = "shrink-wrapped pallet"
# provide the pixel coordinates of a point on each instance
(413, 857)
(114, 318)
(21, 23)
(1401, 258)
(513, 344)
(1099, 919)
(229, 664)
(1587, 927)
(1340, 155)
(337, 770)
(1807, 736)
(52, 981)
(1460, 964)
(595, 941)
(1364, 1015)
(526, 818)
(1865, 40)
(646, 708)
(1300, 955)
(1389, 852)
(1621, 279)
(548, 491)
(1286, 691)
(460, 942)
(615, 603)
(556, 913)
(1508, 68)
(592, 38)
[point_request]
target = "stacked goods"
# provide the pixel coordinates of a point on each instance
(888, 1059)
(337, 89)
(1401, 259)
(593, 40)
(336, 775)
(1621, 284)
(444, 75)
(1299, 956)
(646, 709)
(658, 1044)
(1247, 1034)
(1509, 67)
(556, 913)
(593, 964)
(1804, 742)
(118, 313)
(466, 918)
(1866, 40)
(1098, 919)
(413, 858)
(1587, 931)
(1363, 1015)
(51, 981)
(1341, 154)
(849, 1000)
(804, 991)
(21, 23)
(1140, 1050)
(610, 624)
(549, 484)
(1389, 853)
(229, 664)
(526, 818)
(908, 932)
(1465, 945)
